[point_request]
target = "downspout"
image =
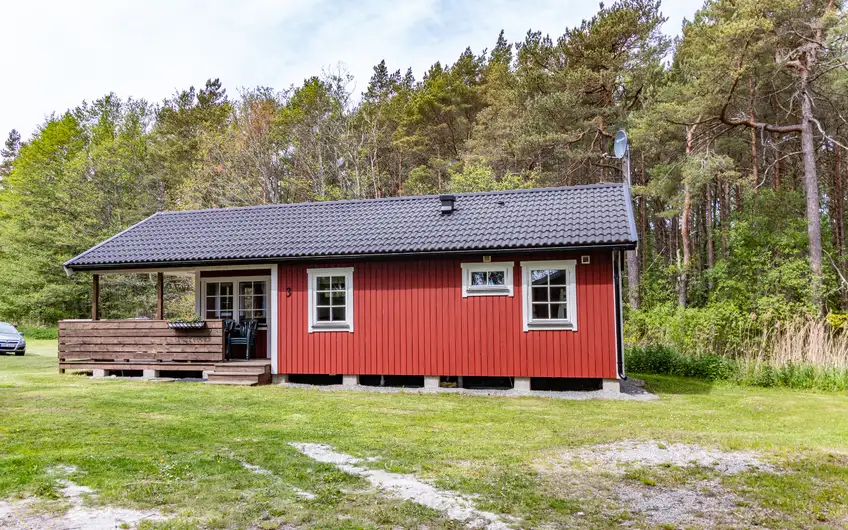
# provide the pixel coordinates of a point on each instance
(619, 317)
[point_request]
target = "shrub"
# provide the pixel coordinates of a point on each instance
(39, 333)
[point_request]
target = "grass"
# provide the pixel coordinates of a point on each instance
(179, 447)
(798, 374)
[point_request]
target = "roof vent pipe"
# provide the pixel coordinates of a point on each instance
(448, 203)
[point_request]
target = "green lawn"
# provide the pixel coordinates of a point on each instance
(179, 447)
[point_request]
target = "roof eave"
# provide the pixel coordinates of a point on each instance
(96, 267)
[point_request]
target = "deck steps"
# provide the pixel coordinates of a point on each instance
(241, 373)
(231, 383)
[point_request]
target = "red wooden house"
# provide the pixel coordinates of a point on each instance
(522, 284)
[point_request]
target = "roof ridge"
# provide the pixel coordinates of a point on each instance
(397, 198)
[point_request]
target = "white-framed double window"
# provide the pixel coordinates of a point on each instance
(236, 298)
(330, 299)
(487, 279)
(549, 292)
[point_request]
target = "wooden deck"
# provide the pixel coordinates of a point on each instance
(140, 342)
(150, 346)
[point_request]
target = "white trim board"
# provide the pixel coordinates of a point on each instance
(570, 324)
(485, 290)
(322, 327)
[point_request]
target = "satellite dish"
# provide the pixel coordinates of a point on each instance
(620, 144)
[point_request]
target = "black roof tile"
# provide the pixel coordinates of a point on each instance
(546, 217)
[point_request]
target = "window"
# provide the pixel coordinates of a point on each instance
(219, 300)
(550, 295)
(330, 299)
(487, 279)
(242, 298)
(252, 301)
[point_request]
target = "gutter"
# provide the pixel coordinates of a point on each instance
(619, 316)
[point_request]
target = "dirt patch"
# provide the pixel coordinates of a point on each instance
(618, 456)
(454, 505)
(28, 513)
(705, 504)
(639, 478)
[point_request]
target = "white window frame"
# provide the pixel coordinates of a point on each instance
(487, 290)
(347, 324)
(570, 266)
(236, 302)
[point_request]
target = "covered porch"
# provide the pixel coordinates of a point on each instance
(155, 346)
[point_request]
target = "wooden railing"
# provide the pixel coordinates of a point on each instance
(142, 340)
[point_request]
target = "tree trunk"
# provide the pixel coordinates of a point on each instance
(685, 217)
(775, 181)
(709, 227)
(811, 190)
(755, 172)
(724, 193)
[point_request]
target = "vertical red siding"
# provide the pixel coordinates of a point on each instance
(410, 319)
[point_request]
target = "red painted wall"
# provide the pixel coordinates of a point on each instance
(410, 319)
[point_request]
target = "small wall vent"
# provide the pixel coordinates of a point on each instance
(448, 203)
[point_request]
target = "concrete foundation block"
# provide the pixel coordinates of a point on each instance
(350, 380)
(431, 382)
(205, 374)
(98, 373)
(460, 382)
(611, 385)
(280, 378)
(150, 374)
(521, 383)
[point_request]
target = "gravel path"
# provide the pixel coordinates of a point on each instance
(631, 390)
(407, 487)
(24, 515)
(617, 456)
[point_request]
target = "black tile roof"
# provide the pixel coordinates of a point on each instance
(546, 217)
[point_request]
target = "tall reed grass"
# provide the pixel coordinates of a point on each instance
(803, 353)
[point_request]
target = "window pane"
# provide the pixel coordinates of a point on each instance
(322, 298)
(226, 289)
(226, 303)
(496, 278)
(259, 288)
(557, 277)
(559, 311)
(478, 278)
(322, 314)
(323, 283)
(559, 294)
(338, 283)
(540, 294)
(338, 298)
(210, 313)
(539, 277)
(211, 303)
(540, 311)
(338, 314)
(211, 289)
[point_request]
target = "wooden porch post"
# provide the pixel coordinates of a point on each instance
(160, 296)
(95, 297)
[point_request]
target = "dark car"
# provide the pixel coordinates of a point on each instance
(11, 340)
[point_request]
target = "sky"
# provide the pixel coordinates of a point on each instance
(64, 52)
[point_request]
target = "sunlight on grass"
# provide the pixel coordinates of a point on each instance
(180, 447)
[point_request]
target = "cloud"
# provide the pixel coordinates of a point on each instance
(67, 52)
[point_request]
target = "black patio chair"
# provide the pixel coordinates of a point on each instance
(245, 334)
(229, 329)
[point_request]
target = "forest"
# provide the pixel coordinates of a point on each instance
(739, 155)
